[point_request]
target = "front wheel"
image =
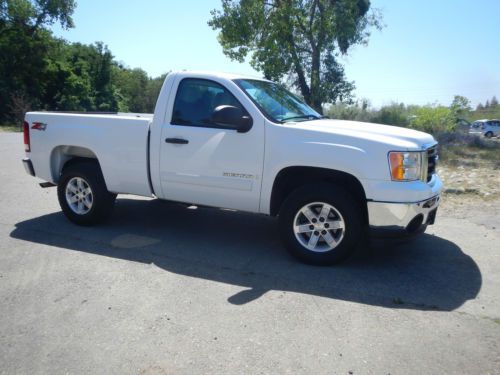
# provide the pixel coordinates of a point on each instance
(83, 195)
(321, 224)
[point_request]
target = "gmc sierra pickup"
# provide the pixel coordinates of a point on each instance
(248, 144)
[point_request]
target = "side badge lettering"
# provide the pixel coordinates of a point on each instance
(238, 175)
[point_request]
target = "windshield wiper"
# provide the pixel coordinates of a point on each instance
(307, 117)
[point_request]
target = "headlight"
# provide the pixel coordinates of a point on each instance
(407, 166)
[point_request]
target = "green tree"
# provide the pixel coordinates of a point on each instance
(343, 111)
(38, 71)
(432, 119)
(359, 111)
(152, 91)
(460, 107)
(393, 114)
(131, 85)
(101, 63)
(137, 92)
(25, 44)
(70, 75)
(37, 13)
(299, 39)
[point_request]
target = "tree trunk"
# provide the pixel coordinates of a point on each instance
(315, 100)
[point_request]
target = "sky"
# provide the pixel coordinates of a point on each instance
(428, 51)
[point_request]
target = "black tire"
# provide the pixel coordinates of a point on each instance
(344, 203)
(102, 199)
(488, 134)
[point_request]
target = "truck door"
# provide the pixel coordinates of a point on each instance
(203, 163)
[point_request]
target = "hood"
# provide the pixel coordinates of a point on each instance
(396, 137)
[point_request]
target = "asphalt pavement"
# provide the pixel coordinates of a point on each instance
(166, 289)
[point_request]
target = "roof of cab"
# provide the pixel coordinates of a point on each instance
(225, 75)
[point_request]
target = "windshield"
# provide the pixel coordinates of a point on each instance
(277, 103)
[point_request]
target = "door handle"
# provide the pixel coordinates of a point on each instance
(177, 141)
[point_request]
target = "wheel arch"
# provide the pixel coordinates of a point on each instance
(488, 134)
(290, 178)
(62, 157)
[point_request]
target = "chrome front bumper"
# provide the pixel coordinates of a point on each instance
(405, 216)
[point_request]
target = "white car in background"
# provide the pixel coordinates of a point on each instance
(488, 128)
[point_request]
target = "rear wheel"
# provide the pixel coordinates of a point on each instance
(321, 224)
(83, 195)
(488, 134)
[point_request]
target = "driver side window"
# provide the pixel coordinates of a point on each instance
(196, 100)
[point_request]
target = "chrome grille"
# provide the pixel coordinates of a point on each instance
(432, 158)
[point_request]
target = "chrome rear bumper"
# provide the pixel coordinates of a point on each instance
(28, 167)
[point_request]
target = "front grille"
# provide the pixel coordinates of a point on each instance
(432, 158)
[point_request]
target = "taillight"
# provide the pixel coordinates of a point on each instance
(26, 130)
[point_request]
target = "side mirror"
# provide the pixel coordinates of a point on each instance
(232, 118)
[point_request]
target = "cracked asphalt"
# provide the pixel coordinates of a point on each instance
(163, 289)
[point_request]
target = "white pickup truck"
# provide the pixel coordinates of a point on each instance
(247, 144)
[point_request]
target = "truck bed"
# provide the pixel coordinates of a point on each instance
(119, 141)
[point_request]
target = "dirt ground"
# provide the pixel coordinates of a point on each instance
(470, 170)
(472, 189)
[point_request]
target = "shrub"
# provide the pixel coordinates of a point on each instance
(393, 114)
(458, 149)
(447, 139)
(432, 119)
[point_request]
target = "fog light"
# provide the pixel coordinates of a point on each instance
(430, 202)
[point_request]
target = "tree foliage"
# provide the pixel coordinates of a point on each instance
(460, 108)
(38, 71)
(432, 119)
(298, 39)
(34, 14)
(429, 118)
(489, 110)
(137, 91)
(26, 44)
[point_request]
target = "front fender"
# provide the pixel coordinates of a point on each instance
(352, 160)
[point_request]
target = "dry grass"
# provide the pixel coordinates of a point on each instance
(456, 147)
(10, 128)
(470, 165)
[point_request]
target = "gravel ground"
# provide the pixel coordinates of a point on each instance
(162, 289)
